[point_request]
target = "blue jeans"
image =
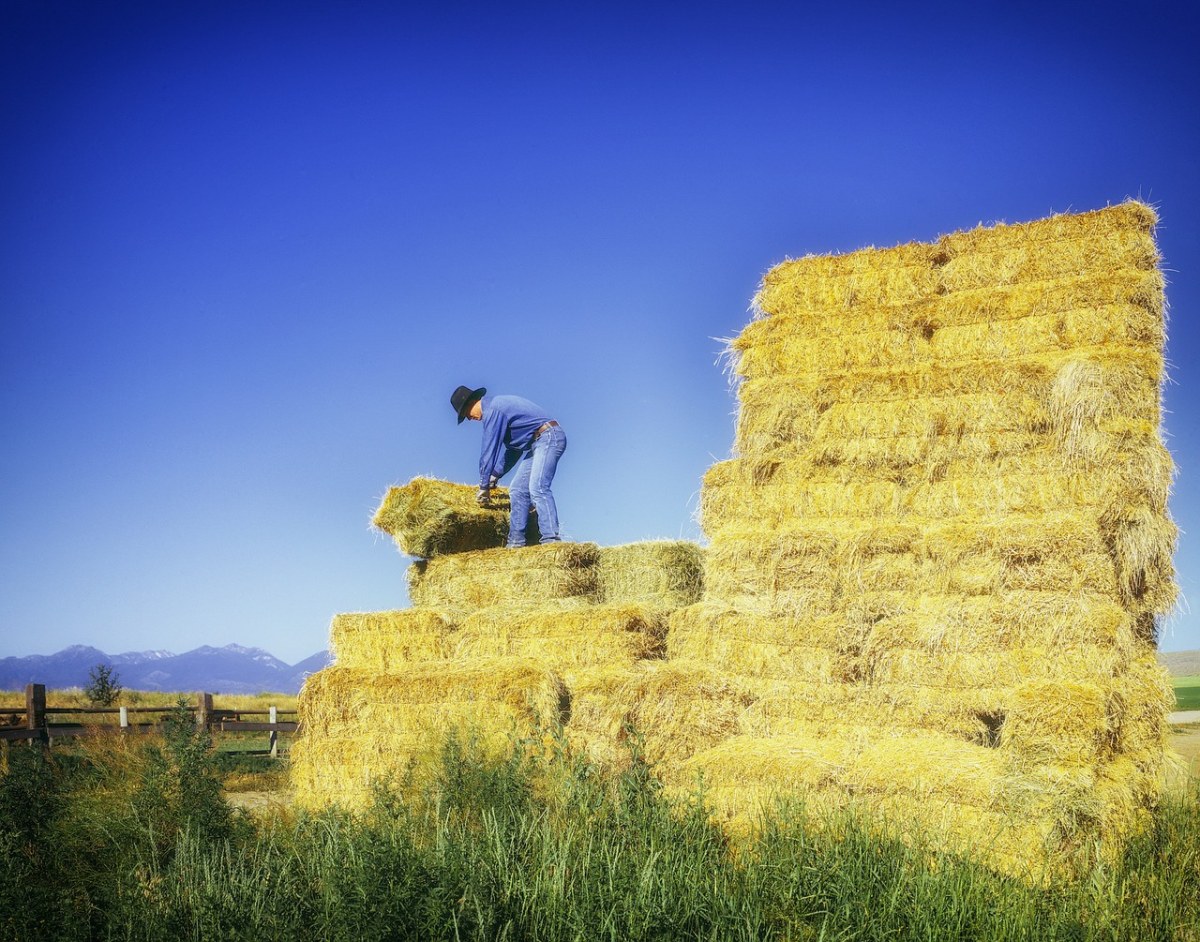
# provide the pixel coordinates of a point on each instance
(531, 481)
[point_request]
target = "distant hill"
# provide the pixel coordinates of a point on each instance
(1180, 663)
(231, 669)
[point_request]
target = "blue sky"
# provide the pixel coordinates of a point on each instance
(248, 249)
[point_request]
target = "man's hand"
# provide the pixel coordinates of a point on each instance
(493, 481)
(484, 497)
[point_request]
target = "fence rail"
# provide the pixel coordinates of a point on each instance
(38, 728)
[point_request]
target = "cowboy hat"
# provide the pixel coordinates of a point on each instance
(463, 398)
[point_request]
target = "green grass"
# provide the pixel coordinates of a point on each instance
(1187, 693)
(131, 843)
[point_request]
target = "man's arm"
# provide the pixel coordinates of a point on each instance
(491, 447)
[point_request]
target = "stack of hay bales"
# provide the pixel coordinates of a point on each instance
(500, 645)
(937, 560)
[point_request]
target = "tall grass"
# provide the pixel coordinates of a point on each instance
(532, 848)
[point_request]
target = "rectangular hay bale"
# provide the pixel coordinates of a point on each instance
(382, 725)
(667, 710)
(428, 517)
(464, 582)
(385, 642)
(800, 408)
(998, 305)
(562, 636)
(664, 574)
(956, 557)
(510, 689)
(926, 336)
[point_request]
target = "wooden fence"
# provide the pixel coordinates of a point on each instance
(40, 727)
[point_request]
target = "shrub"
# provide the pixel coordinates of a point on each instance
(104, 686)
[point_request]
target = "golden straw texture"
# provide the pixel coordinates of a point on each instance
(389, 641)
(428, 517)
(663, 574)
(363, 728)
(473, 580)
(940, 552)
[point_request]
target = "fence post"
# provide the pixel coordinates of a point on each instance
(274, 734)
(124, 719)
(204, 709)
(35, 709)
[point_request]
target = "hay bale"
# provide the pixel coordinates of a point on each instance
(464, 582)
(564, 635)
(1058, 722)
(955, 557)
(995, 621)
(662, 574)
(360, 728)
(693, 635)
(791, 409)
(922, 319)
(840, 282)
(1022, 848)
(925, 334)
(731, 498)
(667, 710)
(354, 698)
(886, 776)
(428, 517)
(1130, 216)
(1140, 701)
(595, 693)
(1113, 249)
(798, 708)
(1115, 238)
(386, 642)
(1004, 667)
(869, 762)
(1141, 540)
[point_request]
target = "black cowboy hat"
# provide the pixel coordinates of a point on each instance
(463, 398)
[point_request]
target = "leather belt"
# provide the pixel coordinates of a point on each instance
(538, 433)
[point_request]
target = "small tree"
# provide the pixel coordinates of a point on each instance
(105, 685)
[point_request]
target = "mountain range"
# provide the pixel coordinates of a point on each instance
(231, 669)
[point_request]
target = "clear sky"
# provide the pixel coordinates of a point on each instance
(249, 248)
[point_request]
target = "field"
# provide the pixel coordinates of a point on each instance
(239, 760)
(74, 697)
(1187, 693)
(137, 838)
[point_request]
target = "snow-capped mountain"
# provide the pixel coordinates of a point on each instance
(231, 669)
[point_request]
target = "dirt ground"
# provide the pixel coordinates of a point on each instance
(258, 802)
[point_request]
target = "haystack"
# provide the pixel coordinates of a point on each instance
(938, 557)
(364, 729)
(384, 642)
(664, 710)
(939, 552)
(565, 637)
(428, 517)
(660, 574)
(501, 643)
(467, 581)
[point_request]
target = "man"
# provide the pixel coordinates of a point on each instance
(516, 433)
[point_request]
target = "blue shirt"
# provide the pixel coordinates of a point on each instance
(509, 423)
